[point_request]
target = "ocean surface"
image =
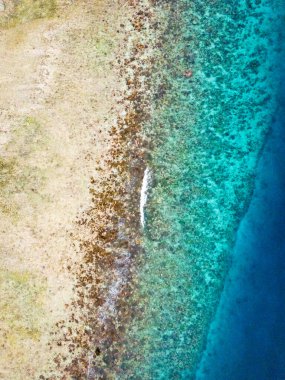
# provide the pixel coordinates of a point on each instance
(247, 337)
(207, 134)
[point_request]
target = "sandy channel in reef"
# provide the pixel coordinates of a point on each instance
(59, 87)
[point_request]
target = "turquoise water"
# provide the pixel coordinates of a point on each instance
(205, 137)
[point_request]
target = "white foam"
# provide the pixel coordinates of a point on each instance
(144, 193)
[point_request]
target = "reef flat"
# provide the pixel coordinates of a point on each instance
(213, 104)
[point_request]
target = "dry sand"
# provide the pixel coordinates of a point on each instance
(59, 87)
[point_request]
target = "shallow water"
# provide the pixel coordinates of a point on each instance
(207, 132)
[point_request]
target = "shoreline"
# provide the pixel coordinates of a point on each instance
(113, 245)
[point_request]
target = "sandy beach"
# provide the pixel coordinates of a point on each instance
(61, 93)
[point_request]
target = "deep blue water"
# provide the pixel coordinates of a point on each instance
(247, 337)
